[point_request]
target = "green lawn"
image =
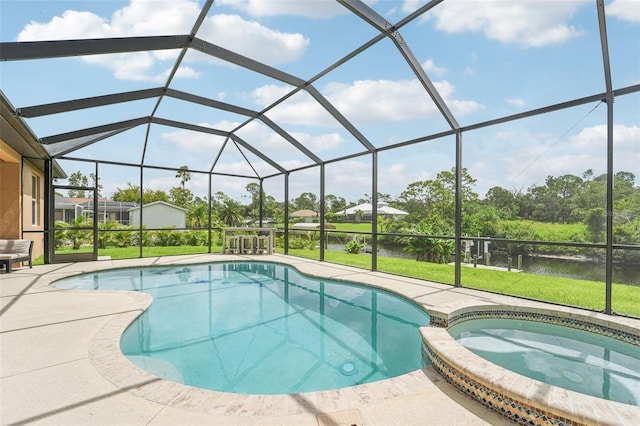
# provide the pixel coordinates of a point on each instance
(565, 291)
(551, 231)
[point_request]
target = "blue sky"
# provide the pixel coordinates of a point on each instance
(487, 59)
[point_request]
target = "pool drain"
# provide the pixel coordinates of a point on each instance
(348, 368)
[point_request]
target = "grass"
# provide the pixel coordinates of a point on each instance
(561, 290)
(552, 231)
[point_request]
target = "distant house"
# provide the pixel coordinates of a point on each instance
(383, 209)
(158, 215)
(305, 214)
(68, 208)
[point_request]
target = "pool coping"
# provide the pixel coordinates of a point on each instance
(517, 397)
(112, 365)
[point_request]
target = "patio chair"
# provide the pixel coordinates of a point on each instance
(263, 243)
(233, 244)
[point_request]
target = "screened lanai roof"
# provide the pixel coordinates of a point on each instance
(258, 88)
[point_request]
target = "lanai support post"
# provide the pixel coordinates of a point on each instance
(286, 213)
(323, 234)
(458, 219)
(374, 211)
(610, 176)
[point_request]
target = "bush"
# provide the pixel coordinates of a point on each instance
(195, 238)
(354, 247)
(124, 238)
(147, 238)
(300, 243)
(168, 237)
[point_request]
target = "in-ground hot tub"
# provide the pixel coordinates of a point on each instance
(574, 362)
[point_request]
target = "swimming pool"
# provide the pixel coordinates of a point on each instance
(263, 328)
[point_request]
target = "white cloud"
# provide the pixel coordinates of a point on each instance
(516, 102)
(166, 17)
(309, 9)
(71, 25)
(537, 156)
(505, 135)
(266, 95)
(526, 23)
(301, 109)
(409, 6)
(430, 67)
(366, 102)
(249, 38)
(268, 141)
(625, 10)
(242, 168)
(139, 18)
(156, 17)
(626, 139)
(190, 141)
(350, 179)
(319, 143)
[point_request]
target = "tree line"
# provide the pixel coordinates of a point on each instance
(501, 213)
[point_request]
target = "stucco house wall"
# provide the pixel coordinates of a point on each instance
(10, 192)
(159, 215)
(21, 199)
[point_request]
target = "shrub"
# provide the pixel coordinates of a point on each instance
(168, 237)
(195, 238)
(354, 247)
(124, 238)
(300, 243)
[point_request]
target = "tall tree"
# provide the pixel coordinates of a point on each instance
(334, 204)
(230, 212)
(96, 183)
(132, 194)
(504, 201)
(184, 175)
(253, 209)
(78, 179)
(436, 197)
(180, 196)
(198, 213)
(306, 200)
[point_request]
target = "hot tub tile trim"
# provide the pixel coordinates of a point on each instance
(450, 360)
(592, 325)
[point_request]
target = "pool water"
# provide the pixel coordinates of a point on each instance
(263, 328)
(573, 359)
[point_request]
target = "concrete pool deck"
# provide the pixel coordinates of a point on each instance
(60, 361)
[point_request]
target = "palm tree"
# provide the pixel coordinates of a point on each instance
(230, 213)
(184, 175)
(198, 213)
